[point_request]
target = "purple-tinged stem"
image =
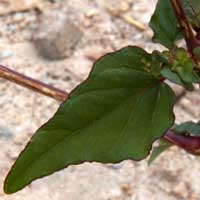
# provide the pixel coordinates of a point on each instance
(189, 143)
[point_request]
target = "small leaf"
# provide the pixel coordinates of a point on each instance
(173, 77)
(162, 146)
(184, 65)
(164, 24)
(189, 127)
(116, 114)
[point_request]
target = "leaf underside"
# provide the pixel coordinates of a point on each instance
(116, 114)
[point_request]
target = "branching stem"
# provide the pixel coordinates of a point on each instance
(32, 84)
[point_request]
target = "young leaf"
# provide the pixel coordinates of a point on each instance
(115, 114)
(173, 77)
(162, 146)
(189, 127)
(164, 25)
(184, 65)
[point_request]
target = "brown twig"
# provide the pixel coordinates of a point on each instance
(128, 19)
(190, 39)
(32, 84)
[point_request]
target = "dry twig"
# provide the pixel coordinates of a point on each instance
(128, 19)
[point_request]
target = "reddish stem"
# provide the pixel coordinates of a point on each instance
(190, 143)
(32, 84)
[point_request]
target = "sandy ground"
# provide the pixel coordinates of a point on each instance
(174, 175)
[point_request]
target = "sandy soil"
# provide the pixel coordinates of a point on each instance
(173, 176)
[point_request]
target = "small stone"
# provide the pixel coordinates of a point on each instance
(57, 36)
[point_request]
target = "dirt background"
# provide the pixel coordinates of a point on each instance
(57, 42)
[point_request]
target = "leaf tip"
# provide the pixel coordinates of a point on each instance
(9, 187)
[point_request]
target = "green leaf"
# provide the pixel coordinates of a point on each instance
(184, 65)
(158, 61)
(164, 25)
(173, 77)
(116, 114)
(162, 146)
(189, 127)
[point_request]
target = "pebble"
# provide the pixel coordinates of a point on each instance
(56, 36)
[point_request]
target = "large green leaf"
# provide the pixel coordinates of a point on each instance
(115, 114)
(164, 24)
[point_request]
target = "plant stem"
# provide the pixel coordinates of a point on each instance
(32, 84)
(190, 39)
(189, 143)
